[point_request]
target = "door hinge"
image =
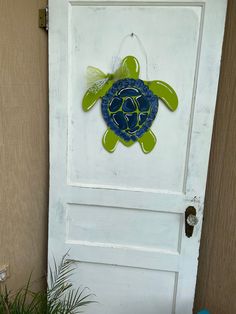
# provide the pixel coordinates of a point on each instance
(43, 18)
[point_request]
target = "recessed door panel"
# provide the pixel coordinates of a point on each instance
(171, 38)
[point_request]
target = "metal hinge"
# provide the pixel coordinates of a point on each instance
(43, 18)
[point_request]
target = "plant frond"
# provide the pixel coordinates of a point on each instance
(59, 298)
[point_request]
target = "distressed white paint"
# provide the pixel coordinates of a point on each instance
(124, 227)
(127, 208)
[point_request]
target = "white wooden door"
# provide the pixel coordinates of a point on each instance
(122, 215)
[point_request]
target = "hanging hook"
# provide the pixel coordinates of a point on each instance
(117, 59)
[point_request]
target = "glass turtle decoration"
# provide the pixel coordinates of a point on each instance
(129, 104)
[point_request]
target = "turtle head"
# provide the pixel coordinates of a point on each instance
(129, 68)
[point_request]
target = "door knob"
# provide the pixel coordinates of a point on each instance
(191, 220)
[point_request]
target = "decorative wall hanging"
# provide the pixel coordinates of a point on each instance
(129, 105)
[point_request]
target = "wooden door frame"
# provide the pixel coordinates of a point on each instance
(216, 283)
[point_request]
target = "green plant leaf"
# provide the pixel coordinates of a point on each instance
(59, 298)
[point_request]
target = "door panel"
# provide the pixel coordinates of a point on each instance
(124, 227)
(148, 296)
(165, 168)
(122, 214)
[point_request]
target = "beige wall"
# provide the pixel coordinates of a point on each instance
(24, 159)
(23, 140)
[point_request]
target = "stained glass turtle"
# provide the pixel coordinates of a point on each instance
(129, 104)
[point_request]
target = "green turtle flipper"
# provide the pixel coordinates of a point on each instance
(166, 93)
(110, 141)
(129, 68)
(147, 141)
(94, 93)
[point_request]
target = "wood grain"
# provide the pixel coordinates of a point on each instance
(216, 285)
(23, 140)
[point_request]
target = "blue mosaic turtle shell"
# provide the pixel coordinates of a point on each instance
(129, 108)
